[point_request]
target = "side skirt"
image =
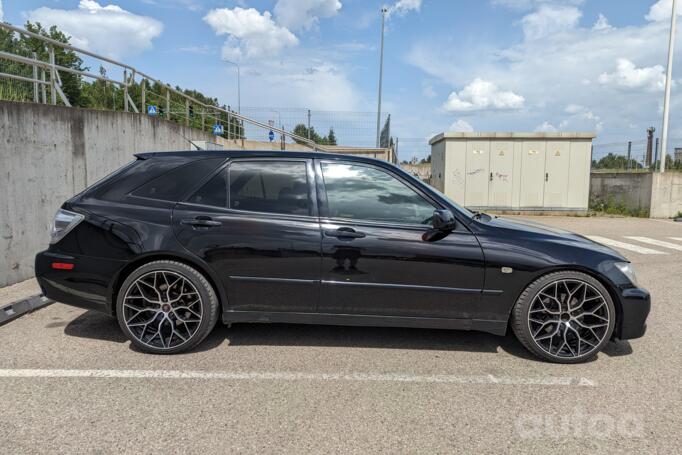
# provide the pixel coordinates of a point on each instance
(494, 327)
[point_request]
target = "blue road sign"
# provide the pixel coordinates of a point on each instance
(218, 129)
(152, 110)
(271, 135)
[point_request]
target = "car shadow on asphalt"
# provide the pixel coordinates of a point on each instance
(95, 325)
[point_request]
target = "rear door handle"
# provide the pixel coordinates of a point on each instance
(344, 233)
(201, 221)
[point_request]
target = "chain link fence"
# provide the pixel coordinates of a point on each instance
(636, 156)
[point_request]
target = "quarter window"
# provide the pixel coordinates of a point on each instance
(365, 193)
(270, 186)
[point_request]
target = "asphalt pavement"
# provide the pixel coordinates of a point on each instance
(71, 383)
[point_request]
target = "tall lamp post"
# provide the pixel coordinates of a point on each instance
(384, 10)
(239, 91)
(668, 83)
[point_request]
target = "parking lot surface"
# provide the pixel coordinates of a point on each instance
(70, 382)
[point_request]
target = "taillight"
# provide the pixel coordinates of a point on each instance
(64, 221)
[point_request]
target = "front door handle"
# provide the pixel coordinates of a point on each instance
(344, 233)
(201, 221)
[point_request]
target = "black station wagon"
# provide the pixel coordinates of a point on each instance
(175, 241)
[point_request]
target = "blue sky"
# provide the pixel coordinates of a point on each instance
(484, 65)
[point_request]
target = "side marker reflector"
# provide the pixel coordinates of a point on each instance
(62, 266)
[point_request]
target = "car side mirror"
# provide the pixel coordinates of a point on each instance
(443, 220)
(443, 223)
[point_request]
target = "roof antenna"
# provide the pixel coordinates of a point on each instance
(190, 141)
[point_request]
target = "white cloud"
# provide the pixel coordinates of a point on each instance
(563, 69)
(301, 80)
(402, 7)
(661, 11)
(1, 12)
(549, 19)
(546, 127)
(482, 95)
(627, 75)
(602, 23)
(109, 29)
(428, 91)
(530, 4)
(574, 108)
(461, 126)
(250, 33)
(304, 14)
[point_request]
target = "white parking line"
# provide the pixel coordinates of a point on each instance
(661, 243)
(623, 245)
(294, 376)
(679, 239)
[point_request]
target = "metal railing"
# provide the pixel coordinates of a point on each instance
(46, 74)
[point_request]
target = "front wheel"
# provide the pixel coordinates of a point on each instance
(564, 317)
(166, 307)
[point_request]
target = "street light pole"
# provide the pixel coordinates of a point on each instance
(668, 83)
(381, 74)
(239, 90)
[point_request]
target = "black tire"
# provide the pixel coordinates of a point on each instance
(538, 335)
(201, 316)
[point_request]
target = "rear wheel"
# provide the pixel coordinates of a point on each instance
(564, 317)
(166, 307)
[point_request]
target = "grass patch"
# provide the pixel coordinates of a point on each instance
(612, 207)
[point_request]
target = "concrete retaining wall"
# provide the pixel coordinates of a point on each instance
(50, 153)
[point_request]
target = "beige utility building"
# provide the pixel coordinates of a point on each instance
(514, 171)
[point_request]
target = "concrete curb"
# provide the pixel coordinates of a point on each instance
(19, 308)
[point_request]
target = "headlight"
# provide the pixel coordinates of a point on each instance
(628, 270)
(63, 222)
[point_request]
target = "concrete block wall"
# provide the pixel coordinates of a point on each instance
(50, 153)
(631, 190)
(666, 195)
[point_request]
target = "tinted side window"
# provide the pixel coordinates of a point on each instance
(213, 192)
(172, 185)
(366, 193)
(270, 186)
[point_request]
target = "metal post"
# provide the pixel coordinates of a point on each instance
(668, 83)
(35, 78)
(627, 164)
(53, 77)
(125, 90)
(381, 73)
(656, 154)
(186, 111)
(143, 88)
(43, 87)
(168, 113)
(308, 123)
(229, 123)
(239, 91)
(203, 119)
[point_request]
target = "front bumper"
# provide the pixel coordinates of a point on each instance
(87, 285)
(635, 307)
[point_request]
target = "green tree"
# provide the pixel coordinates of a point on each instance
(71, 83)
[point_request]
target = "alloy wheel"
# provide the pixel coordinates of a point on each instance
(569, 318)
(162, 309)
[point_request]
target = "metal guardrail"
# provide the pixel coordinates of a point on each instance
(46, 74)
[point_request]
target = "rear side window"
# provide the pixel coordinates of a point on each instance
(269, 186)
(172, 185)
(213, 193)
